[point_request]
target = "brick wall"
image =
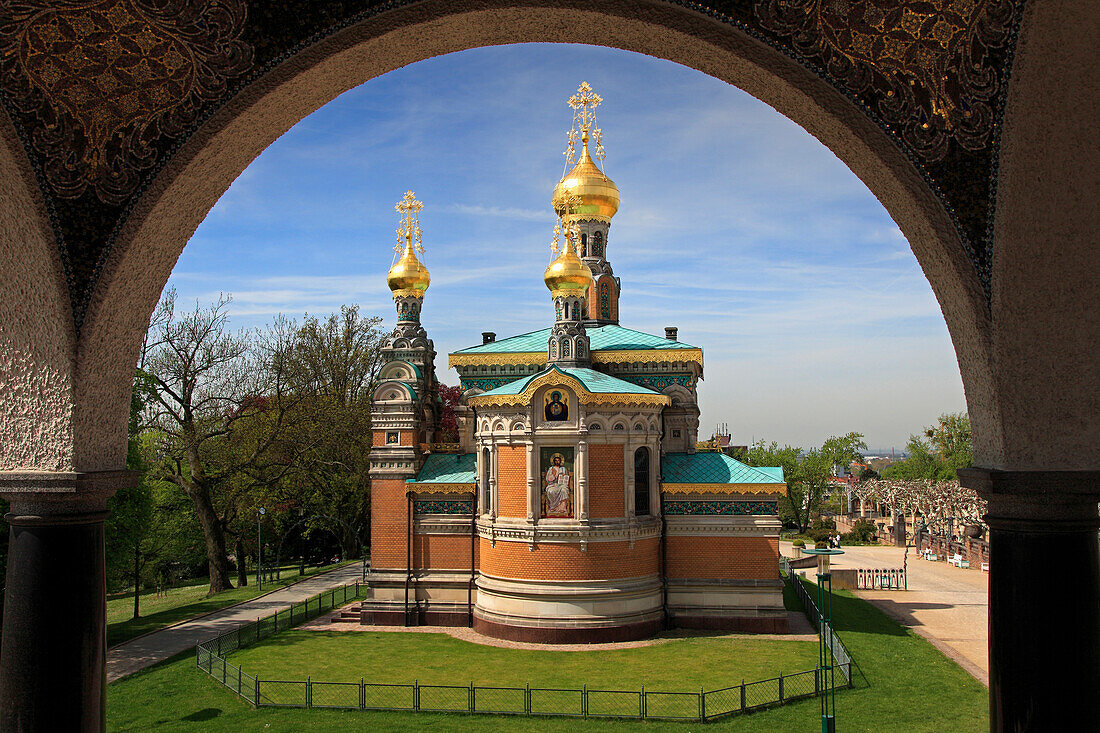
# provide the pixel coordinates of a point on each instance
(441, 552)
(512, 480)
(605, 481)
(388, 528)
(740, 558)
(568, 562)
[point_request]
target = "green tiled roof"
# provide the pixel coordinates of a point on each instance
(448, 468)
(601, 338)
(714, 468)
(595, 382)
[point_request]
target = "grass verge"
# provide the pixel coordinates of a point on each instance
(903, 685)
(187, 601)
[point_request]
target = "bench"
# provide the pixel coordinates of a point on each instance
(958, 561)
(985, 567)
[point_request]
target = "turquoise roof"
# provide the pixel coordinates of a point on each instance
(593, 381)
(714, 468)
(601, 338)
(448, 468)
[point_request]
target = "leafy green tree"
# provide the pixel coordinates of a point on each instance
(806, 472)
(937, 453)
(210, 387)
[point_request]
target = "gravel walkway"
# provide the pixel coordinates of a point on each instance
(145, 651)
(946, 605)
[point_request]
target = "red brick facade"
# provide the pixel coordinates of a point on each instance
(442, 552)
(605, 481)
(601, 560)
(512, 480)
(738, 558)
(389, 524)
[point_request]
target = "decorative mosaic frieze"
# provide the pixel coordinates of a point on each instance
(487, 383)
(657, 382)
(441, 506)
(710, 508)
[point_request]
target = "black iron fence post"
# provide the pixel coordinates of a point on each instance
(584, 701)
(416, 695)
(527, 700)
(702, 706)
(362, 693)
(309, 692)
(780, 687)
(471, 698)
(642, 701)
(257, 690)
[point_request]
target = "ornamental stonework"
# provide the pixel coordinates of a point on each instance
(923, 65)
(106, 79)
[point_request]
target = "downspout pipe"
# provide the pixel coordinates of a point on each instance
(408, 552)
(473, 530)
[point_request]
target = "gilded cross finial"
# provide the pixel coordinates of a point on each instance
(410, 224)
(584, 104)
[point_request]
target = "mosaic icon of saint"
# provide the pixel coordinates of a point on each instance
(556, 409)
(558, 485)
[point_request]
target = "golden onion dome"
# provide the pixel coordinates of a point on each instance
(597, 195)
(408, 276)
(567, 274)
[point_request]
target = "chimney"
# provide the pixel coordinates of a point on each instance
(670, 332)
(488, 337)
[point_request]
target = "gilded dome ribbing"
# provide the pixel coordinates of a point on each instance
(567, 274)
(597, 196)
(408, 276)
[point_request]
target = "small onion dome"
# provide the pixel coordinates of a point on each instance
(567, 274)
(408, 276)
(598, 194)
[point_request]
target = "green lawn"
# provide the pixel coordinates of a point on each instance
(185, 602)
(903, 684)
(676, 665)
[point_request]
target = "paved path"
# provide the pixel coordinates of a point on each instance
(144, 651)
(948, 606)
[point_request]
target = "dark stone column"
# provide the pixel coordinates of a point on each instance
(53, 648)
(1044, 598)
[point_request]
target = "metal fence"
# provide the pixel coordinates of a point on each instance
(842, 659)
(881, 579)
(582, 702)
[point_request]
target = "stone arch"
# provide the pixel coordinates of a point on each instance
(172, 206)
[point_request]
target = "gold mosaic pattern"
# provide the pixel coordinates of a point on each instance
(107, 78)
(776, 489)
(924, 60)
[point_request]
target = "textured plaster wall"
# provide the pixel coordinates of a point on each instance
(1046, 277)
(192, 181)
(36, 326)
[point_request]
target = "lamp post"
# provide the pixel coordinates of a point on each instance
(826, 661)
(260, 549)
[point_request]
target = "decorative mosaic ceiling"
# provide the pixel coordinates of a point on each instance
(103, 92)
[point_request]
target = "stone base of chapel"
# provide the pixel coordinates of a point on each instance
(433, 598)
(745, 606)
(569, 634)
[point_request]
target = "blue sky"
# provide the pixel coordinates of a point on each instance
(735, 225)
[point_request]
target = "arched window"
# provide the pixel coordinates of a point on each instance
(597, 244)
(641, 482)
(584, 245)
(485, 462)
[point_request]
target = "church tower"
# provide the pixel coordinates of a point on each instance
(586, 200)
(404, 412)
(569, 280)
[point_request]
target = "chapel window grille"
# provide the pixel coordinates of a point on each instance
(485, 460)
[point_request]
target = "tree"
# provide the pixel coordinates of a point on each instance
(806, 472)
(209, 386)
(937, 453)
(448, 422)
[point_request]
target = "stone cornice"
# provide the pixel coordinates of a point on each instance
(569, 533)
(1037, 501)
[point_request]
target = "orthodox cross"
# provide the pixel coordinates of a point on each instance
(410, 225)
(584, 104)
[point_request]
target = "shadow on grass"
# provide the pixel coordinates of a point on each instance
(202, 715)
